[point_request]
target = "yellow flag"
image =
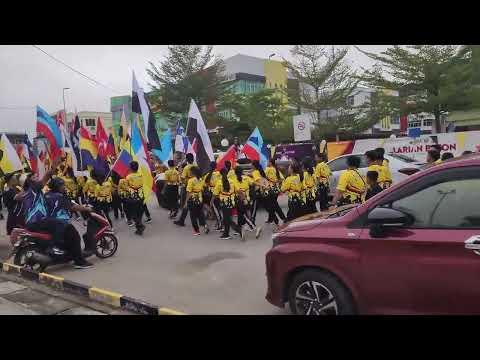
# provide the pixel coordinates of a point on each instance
(10, 161)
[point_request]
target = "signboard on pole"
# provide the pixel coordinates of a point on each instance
(301, 128)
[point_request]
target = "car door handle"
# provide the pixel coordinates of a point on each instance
(473, 243)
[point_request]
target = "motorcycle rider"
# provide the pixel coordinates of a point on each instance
(60, 207)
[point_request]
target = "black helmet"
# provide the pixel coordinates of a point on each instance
(56, 183)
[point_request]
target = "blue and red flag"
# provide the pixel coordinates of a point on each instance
(255, 149)
(122, 165)
(47, 126)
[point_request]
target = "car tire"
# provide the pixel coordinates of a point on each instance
(315, 292)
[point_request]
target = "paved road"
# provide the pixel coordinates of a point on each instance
(170, 267)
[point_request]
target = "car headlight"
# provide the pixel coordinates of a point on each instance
(275, 239)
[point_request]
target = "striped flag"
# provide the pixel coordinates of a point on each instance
(140, 154)
(10, 162)
(48, 127)
(198, 136)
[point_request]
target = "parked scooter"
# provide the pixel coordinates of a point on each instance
(36, 250)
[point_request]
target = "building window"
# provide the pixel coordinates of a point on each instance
(89, 122)
(415, 124)
(427, 122)
(350, 100)
(395, 120)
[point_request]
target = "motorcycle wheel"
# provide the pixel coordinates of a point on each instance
(20, 258)
(107, 246)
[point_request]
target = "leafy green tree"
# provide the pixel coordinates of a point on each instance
(419, 73)
(187, 72)
(263, 108)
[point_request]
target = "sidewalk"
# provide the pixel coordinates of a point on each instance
(19, 297)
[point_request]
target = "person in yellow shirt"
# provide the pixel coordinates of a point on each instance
(322, 176)
(71, 188)
(293, 186)
(381, 154)
(195, 201)
(186, 175)
(136, 196)
(375, 164)
(80, 184)
(309, 187)
(225, 192)
(211, 204)
(172, 181)
(275, 179)
(230, 170)
(117, 207)
(351, 185)
(260, 193)
(104, 197)
(124, 194)
(89, 189)
(242, 185)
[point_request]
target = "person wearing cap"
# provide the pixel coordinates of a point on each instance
(60, 207)
(14, 208)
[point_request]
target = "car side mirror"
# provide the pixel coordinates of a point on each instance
(382, 218)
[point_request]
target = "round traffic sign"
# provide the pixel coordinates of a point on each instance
(301, 125)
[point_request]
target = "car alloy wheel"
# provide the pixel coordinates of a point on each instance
(313, 298)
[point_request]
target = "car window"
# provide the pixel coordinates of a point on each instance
(449, 204)
(340, 164)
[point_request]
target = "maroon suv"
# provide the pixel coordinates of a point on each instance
(412, 249)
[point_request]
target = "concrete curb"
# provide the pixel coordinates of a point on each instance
(93, 293)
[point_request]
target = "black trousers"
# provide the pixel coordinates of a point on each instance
(322, 195)
(244, 215)
(103, 207)
(145, 210)
(196, 215)
(73, 243)
(126, 210)
(274, 209)
(171, 197)
(116, 205)
(51, 226)
(136, 208)
(159, 185)
(13, 221)
(228, 222)
(295, 208)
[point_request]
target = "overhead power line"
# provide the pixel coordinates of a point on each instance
(17, 107)
(75, 70)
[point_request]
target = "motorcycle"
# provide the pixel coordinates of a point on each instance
(36, 251)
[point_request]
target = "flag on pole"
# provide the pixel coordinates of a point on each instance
(255, 149)
(111, 147)
(140, 105)
(166, 152)
(30, 154)
(48, 127)
(10, 162)
(122, 164)
(140, 154)
(198, 136)
(230, 155)
(88, 148)
(101, 138)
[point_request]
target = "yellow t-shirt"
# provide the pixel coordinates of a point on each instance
(243, 187)
(186, 173)
(386, 163)
(70, 186)
(439, 161)
(384, 174)
(213, 179)
(123, 189)
(351, 184)
(271, 175)
(135, 185)
(89, 187)
(293, 186)
(195, 188)
(309, 185)
(80, 182)
(227, 198)
(103, 192)
(322, 172)
(172, 176)
(231, 174)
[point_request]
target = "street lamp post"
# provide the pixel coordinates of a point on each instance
(64, 108)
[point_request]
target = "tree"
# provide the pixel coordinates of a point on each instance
(419, 73)
(325, 83)
(263, 108)
(187, 72)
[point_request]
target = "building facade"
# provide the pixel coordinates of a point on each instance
(89, 120)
